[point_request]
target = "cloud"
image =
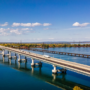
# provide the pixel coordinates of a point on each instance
(15, 31)
(5, 24)
(46, 24)
(26, 24)
(30, 24)
(4, 31)
(26, 29)
(15, 24)
(80, 25)
(36, 24)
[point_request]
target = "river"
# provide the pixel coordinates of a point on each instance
(16, 75)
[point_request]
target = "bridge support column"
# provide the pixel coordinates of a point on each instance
(10, 55)
(15, 55)
(3, 53)
(54, 71)
(25, 59)
(32, 64)
(40, 64)
(19, 59)
(63, 70)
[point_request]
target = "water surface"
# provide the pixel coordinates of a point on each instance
(16, 75)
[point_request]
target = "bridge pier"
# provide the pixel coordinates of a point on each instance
(54, 71)
(3, 53)
(33, 64)
(10, 55)
(19, 59)
(63, 70)
(25, 59)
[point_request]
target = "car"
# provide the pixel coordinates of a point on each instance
(46, 56)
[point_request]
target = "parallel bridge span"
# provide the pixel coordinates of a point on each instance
(76, 67)
(62, 53)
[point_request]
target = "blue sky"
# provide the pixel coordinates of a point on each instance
(44, 20)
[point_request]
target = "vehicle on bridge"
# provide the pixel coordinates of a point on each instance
(46, 56)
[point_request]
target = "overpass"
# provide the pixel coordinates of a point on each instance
(76, 67)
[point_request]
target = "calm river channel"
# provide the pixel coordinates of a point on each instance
(16, 75)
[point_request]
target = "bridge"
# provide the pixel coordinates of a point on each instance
(76, 67)
(62, 53)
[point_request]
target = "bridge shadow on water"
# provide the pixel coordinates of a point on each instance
(53, 79)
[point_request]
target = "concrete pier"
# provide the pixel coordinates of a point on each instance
(19, 59)
(3, 53)
(10, 55)
(54, 71)
(32, 64)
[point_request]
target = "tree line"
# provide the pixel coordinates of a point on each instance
(42, 45)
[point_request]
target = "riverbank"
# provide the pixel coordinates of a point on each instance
(39, 45)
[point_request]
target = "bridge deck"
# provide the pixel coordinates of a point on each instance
(80, 68)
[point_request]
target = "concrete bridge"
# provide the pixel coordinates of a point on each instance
(76, 67)
(62, 53)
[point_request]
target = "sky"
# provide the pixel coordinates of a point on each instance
(44, 20)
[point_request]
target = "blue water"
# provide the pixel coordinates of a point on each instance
(16, 75)
(81, 50)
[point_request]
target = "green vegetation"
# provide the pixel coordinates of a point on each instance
(41, 45)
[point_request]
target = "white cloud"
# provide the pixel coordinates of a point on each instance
(46, 24)
(26, 24)
(5, 24)
(80, 25)
(30, 24)
(3, 30)
(15, 24)
(16, 31)
(36, 24)
(26, 29)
